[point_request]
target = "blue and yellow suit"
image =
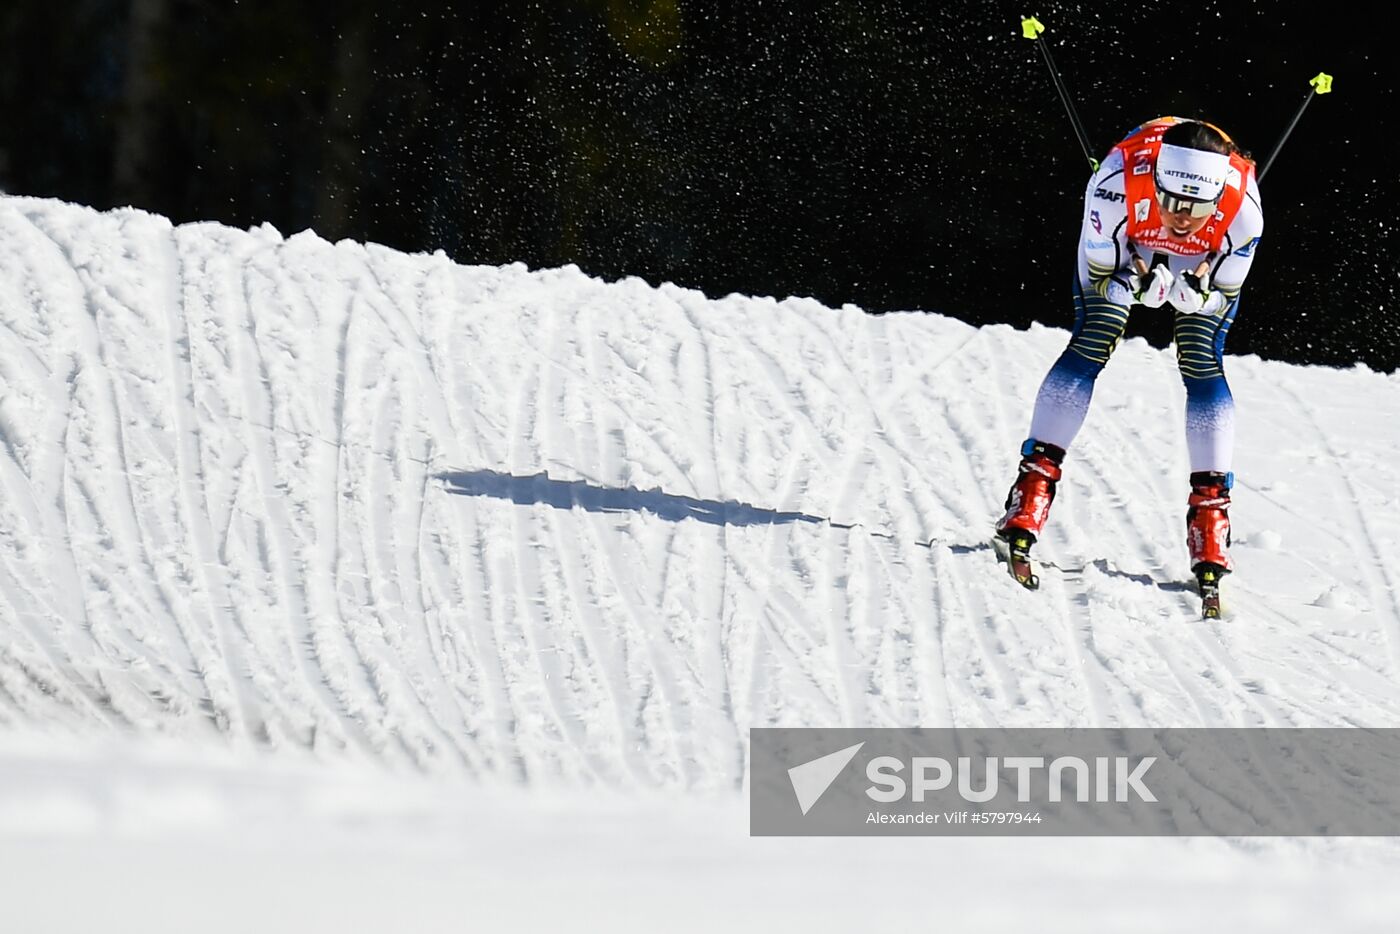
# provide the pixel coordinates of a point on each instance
(1117, 240)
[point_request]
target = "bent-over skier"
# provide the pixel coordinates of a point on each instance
(1171, 220)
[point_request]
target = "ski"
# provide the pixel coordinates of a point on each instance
(1208, 582)
(1015, 553)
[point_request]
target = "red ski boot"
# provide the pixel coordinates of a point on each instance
(1027, 508)
(1208, 520)
(1208, 535)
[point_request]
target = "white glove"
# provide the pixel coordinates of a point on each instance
(1152, 287)
(1191, 294)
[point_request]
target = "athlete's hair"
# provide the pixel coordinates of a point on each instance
(1197, 134)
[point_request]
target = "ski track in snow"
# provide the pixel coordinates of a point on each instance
(532, 527)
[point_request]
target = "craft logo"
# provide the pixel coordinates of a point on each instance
(1107, 195)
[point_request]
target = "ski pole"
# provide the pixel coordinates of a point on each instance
(1322, 84)
(1031, 28)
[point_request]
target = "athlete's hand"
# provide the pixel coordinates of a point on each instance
(1190, 293)
(1151, 287)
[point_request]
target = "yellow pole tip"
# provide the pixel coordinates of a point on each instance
(1031, 28)
(1322, 84)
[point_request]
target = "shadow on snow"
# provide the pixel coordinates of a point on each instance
(541, 489)
(570, 494)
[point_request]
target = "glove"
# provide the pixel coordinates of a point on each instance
(1152, 287)
(1191, 294)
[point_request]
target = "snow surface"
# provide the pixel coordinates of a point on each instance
(342, 587)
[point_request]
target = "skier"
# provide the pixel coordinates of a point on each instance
(1171, 221)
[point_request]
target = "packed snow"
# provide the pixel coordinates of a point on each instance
(344, 586)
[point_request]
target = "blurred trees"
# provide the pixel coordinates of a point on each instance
(893, 155)
(136, 129)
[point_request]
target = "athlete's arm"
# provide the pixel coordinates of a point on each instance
(1104, 258)
(1229, 270)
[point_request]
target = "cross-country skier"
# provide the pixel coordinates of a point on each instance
(1171, 222)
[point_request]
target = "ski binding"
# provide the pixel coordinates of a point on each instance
(1208, 582)
(1015, 553)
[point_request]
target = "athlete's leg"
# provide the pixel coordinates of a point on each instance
(1210, 434)
(1067, 389)
(1210, 408)
(1060, 407)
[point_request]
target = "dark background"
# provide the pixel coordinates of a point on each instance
(891, 155)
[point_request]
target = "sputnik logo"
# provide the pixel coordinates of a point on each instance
(810, 780)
